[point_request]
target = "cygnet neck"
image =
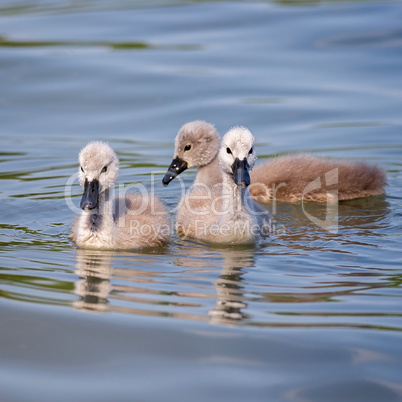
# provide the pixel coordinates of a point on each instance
(233, 195)
(102, 217)
(209, 174)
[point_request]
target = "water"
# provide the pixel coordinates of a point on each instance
(310, 315)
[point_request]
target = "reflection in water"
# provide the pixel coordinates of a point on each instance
(230, 303)
(100, 282)
(359, 221)
(211, 286)
(93, 287)
(230, 299)
(5, 42)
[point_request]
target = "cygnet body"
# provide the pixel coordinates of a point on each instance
(130, 222)
(289, 178)
(225, 214)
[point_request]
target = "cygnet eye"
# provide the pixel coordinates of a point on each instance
(104, 169)
(251, 151)
(82, 170)
(228, 150)
(187, 147)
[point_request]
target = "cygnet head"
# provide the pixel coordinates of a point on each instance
(196, 144)
(237, 155)
(99, 169)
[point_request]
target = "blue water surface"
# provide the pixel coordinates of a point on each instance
(308, 315)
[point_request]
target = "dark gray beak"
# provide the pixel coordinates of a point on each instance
(176, 167)
(240, 172)
(89, 199)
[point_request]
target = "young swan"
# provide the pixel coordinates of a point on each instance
(287, 178)
(224, 214)
(130, 222)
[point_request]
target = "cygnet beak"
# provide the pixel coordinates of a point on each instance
(89, 199)
(240, 172)
(176, 167)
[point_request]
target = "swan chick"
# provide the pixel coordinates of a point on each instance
(290, 178)
(132, 221)
(225, 214)
(294, 178)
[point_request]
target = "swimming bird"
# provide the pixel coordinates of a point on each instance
(132, 221)
(225, 214)
(289, 178)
